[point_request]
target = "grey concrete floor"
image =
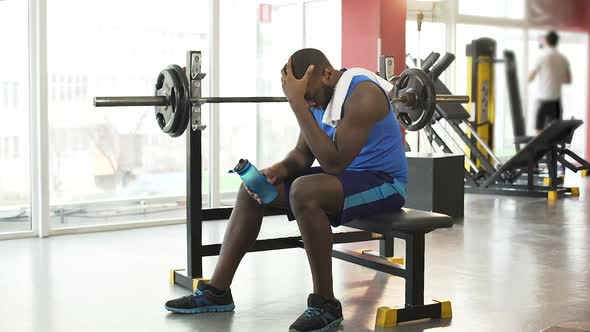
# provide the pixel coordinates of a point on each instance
(512, 264)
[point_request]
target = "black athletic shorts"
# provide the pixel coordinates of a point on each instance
(547, 112)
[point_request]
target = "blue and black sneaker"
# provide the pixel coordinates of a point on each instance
(320, 315)
(205, 299)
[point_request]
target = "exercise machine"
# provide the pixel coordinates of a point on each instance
(484, 172)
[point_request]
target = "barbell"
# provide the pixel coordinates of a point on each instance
(414, 98)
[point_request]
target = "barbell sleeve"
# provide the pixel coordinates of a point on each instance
(440, 99)
(162, 101)
(452, 99)
(130, 101)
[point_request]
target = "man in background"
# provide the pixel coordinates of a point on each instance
(553, 70)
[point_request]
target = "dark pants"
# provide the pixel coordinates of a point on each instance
(547, 112)
(366, 193)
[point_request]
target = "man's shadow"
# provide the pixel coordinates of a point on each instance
(203, 322)
(361, 313)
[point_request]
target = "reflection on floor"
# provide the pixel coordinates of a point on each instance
(512, 264)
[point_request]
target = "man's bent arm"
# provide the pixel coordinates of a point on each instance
(366, 105)
(298, 159)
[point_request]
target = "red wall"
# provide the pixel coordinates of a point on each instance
(364, 22)
(360, 32)
(586, 19)
(562, 14)
(393, 31)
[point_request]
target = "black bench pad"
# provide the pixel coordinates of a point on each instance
(405, 220)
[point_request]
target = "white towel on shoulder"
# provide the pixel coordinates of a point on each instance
(333, 113)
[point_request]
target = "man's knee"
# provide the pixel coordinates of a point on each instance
(301, 194)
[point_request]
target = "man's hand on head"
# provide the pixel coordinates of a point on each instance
(293, 88)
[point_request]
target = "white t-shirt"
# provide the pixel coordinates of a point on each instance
(553, 71)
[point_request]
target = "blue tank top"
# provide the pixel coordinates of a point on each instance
(384, 150)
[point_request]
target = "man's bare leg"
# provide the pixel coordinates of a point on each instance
(240, 235)
(313, 198)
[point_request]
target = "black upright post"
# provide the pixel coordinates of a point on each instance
(415, 269)
(386, 246)
(194, 165)
(194, 211)
(531, 174)
(552, 167)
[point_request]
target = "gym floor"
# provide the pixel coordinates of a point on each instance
(512, 264)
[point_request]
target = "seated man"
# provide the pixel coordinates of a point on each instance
(363, 171)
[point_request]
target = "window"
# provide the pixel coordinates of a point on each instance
(264, 133)
(432, 38)
(15, 147)
(102, 162)
(9, 148)
(14, 105)
(328, 38)
(510, 9)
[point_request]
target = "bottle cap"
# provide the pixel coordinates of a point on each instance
(241, 166)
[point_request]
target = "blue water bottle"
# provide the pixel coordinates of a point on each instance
(256, 181)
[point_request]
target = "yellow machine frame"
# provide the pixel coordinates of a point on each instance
(480, 88)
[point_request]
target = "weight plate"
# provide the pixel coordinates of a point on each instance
(184, 104)
(168, 85)
(176, 103)
(418, 90)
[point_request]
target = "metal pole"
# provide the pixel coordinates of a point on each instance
(130, 101)
(487, 165)
(162, 101)
(217, 100)
(214, 113)
(451, 99)
(415, 269)
(194, 209)
(440, 99)
(469, 161)
(194, 164)
(39, 124)
(483, 144)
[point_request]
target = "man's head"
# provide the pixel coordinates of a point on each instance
(552, 39)
(323, 79)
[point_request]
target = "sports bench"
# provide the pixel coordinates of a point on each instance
(407, 224)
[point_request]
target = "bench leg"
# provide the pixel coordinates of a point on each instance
(414, 275)
(415, 269)
(386, 246)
